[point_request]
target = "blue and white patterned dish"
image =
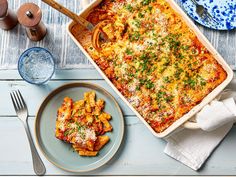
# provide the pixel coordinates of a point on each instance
(223, 11)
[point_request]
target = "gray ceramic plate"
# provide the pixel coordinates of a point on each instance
(61, 154)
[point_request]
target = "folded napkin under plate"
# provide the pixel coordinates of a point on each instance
(193, 147)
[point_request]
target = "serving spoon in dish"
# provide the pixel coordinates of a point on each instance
(98, 36)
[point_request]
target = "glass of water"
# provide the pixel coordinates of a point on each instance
(36, 65)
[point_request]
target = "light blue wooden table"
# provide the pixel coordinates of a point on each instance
(140, 154)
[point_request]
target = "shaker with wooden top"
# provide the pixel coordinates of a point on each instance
(8, 19)
(30, 15)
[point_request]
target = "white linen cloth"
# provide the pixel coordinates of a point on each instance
(193, 147)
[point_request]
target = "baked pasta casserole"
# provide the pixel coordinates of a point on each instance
(153, 58)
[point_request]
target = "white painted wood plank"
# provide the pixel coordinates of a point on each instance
(141, 154)
(34, 95)
(65, 74)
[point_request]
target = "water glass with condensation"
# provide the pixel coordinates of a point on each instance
(36, 65)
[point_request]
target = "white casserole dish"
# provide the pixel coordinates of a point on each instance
(193, 111)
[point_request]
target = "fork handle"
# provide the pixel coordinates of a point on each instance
(38, 165)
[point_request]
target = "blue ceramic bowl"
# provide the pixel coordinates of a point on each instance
(36, 65)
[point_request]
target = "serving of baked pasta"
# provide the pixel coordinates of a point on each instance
(153, 58)
(83, 124)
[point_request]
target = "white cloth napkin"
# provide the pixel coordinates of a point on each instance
(193, 147)
(216, 114)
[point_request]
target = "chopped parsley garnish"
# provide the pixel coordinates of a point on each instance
(166, 79)
(160, 94)
(79, 128)
(152, 55)
(149, 84)
(178, 72)
(173, 40)
(202, 83)
(135, 36)
(150, 9)
(163, 96)
(142, 81)
(143, 56)
(194, 51)
(146, 2)
(138, 88)
(180, 56)
(67, 132)
(185, 47)
(129, 7)
(169, 98)
(140, 15)
(144, 64)
(82, 135)
(130, 74)
(190, 82)
(174, 44)
(162, 69)
(128, 51)
(137, 23)
(166, 61)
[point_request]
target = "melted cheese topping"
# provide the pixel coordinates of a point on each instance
(84, 135)
(156, 61)
(72, 131)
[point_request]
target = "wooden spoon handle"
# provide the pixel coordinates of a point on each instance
(70, 14)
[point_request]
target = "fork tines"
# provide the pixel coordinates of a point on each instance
(17, 100)
(209, 19)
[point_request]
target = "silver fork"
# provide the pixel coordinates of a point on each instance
(204, 14)
(22, 113)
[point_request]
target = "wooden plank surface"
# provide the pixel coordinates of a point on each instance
(68, 74)
(140, 154)
(34, 95)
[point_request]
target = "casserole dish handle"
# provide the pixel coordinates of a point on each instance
(191, 125)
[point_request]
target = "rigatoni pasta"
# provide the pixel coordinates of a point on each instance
(83, 124)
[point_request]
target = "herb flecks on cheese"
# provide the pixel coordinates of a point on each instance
(156, 61)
